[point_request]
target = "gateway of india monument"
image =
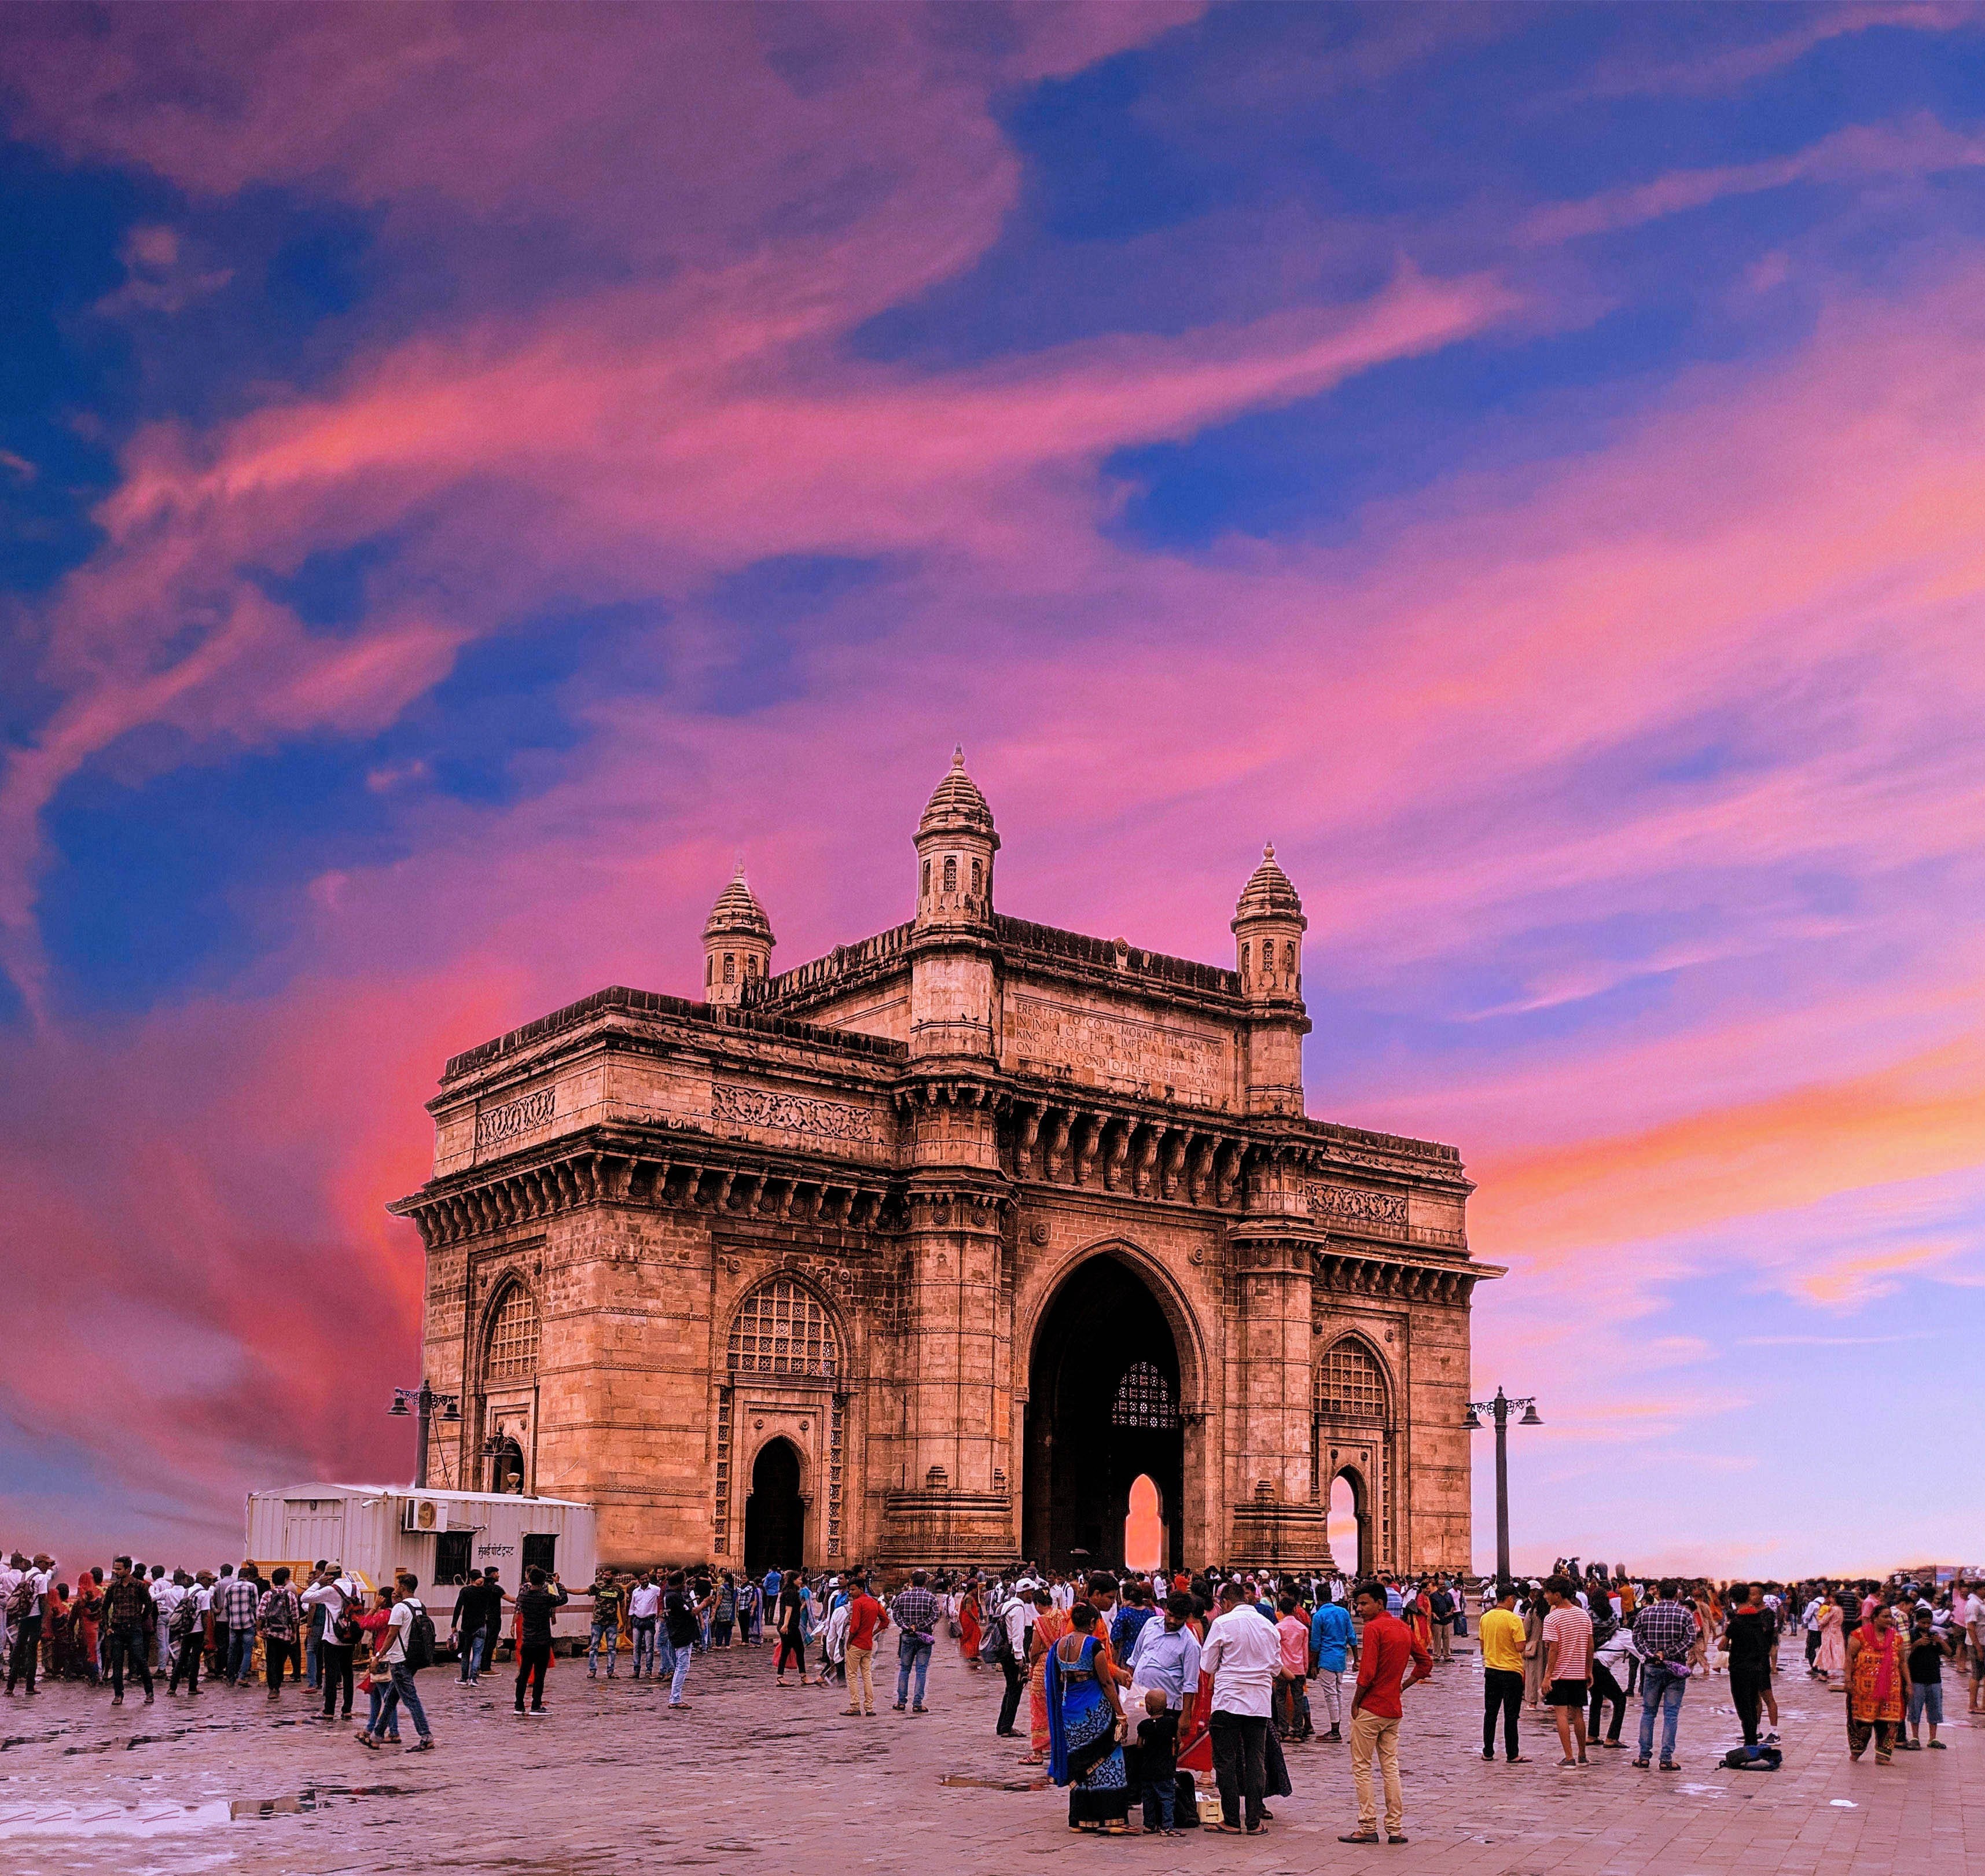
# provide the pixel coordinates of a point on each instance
(927, 1250)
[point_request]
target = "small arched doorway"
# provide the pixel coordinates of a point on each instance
(1349, 1529)
(1145, 1544)
(774, 1514)
(1103, 1411)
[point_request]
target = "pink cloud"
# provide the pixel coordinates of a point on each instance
(1862, 153)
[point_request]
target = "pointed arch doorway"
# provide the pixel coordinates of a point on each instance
(774, 1513)
(1103, 1412)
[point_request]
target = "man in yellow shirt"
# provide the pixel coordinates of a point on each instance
(1502, 1635)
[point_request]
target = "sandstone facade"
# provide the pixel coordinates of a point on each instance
(926, 1249)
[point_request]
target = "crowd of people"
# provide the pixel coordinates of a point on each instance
(1133, 1682)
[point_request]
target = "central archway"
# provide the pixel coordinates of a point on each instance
(774, 1514)
(1102, 1410)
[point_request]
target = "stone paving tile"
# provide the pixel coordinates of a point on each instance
(771, 1782)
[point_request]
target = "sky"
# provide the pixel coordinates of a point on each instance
(467, 474)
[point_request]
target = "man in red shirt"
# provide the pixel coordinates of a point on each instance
(865, 1615)
(1384, 1649)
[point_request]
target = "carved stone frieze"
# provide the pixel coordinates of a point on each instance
(731, 1103)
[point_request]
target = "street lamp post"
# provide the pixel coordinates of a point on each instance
(1500, 1409)
(429, 1407)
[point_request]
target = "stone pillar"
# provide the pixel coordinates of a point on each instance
(1276, 1521)
(947, 1500)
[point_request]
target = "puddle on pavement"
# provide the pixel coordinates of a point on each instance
(996, 1784)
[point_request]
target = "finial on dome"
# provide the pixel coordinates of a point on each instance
(958, 756)
(956, 806)
(1268, 851)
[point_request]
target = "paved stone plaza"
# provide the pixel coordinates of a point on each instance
(765, 1782)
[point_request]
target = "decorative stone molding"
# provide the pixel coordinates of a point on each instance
(1359, 1208)
(737, 1105)
(495, 1125)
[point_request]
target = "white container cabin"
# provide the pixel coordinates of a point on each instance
(441, 1536)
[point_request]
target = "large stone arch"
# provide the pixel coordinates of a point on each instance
(500, 1432)
(1196, 1364)
(1084, 1324)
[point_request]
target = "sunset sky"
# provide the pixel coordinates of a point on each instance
(466, 475)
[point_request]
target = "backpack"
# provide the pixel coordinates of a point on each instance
(1753, 1759)
(344, 1629)
(995, 1647)
(186, 1618)
(22, 1600)
(420, 1644)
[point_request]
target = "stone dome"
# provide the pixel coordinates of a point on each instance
(737, 914)
(1268, 894)
(956, 806)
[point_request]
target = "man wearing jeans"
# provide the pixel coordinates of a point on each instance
(1384, 1650)
(406, 1606)
(1242, 1652)
(644, 1609)
(607, 1597)
(914, 1612)
(235, 1603)
(684, 1615)
(1664, 1632)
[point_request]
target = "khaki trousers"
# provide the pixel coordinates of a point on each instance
(1369, 1731)
(861, 1679)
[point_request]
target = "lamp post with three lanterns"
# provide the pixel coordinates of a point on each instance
(1499, 1409)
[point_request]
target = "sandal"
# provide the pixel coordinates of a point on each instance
(1353, 1836)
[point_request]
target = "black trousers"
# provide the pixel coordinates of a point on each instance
(26, 1655)
(136, 1644)
(185, 1662)
(334, 1662)
(1009, 1702)
(277, 1655)
(1605, 1688)
(533, 1658)
(1747, 1690)
(1502, 1692)
(1240, 1764)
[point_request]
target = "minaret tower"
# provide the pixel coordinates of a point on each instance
(1268, 928)
(738, 942)
(951, 975)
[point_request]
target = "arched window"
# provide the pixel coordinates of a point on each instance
(782, 1329)
(1244, 963)
(926, 879)
(730, 967)
(751, 964)
(1351, 1385)
(1143, 1398)
(1289, 958)
(511, 1353)
(710, 970)
(978, 878)
(951, 872)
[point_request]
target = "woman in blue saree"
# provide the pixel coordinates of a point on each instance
(1083, 1709)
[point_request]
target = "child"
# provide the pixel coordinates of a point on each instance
(1158, 1763)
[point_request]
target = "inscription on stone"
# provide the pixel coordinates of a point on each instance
(495, 1125)
(790, 1113)
(1362, 1210)
(1061, 1037)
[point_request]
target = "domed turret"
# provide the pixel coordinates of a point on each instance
(1268, 925)
(738, 942)
(955, 841)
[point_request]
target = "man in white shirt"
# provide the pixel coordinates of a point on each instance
(1242, 1653)
(393, 1658)
(24, 1653)
(644, 1611)
(1016, 1618)
(331, 1592)
(165, 1595)
(12, 1571)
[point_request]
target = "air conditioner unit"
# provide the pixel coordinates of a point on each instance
(424, 1515)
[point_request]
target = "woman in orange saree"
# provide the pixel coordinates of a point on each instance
(1050, 1625)
(971, 1630)
(1876, 1686)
